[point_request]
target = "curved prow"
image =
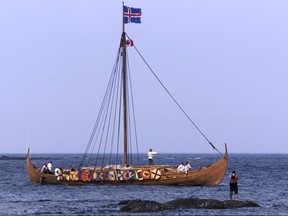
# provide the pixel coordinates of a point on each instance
(33, 172)
(217, 171)
(28, 154)
(226, 152)
(222, 166)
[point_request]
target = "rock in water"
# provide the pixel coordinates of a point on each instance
(142, 206)
(239, 204)
(194, 203)
(184, 203)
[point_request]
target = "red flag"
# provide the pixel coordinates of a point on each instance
(129, 43)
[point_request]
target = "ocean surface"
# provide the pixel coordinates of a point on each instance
(263, 178)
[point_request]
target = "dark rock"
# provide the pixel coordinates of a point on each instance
(210, 204)
(142, 206)
(239, 204)
(184, 203)
(181, 203)
(124, 202)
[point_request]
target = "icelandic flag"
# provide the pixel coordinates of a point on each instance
(132, 15)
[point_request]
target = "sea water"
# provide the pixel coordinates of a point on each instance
(263, 178)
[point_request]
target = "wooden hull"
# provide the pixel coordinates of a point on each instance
(142, 175)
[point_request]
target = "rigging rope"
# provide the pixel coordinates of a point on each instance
(115, 115)
(133, 109)
(98, 119)
(174, 98)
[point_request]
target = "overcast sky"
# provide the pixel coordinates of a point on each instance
(226, 63)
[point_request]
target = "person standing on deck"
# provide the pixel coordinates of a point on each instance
(150, 156)
(233, 185)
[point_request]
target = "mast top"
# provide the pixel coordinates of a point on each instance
(123, 23)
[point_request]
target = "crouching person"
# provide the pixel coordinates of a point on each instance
(58, 173)
(44, 168)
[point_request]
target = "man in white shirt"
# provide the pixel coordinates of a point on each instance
(188, 166)
(181, 167)
(150, 156)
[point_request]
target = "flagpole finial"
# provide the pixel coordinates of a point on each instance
(123, 23)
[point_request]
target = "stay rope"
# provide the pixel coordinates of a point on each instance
(173, 97)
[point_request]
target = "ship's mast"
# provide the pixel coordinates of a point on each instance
(124, 68)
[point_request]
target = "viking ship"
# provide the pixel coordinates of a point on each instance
(115, 126)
